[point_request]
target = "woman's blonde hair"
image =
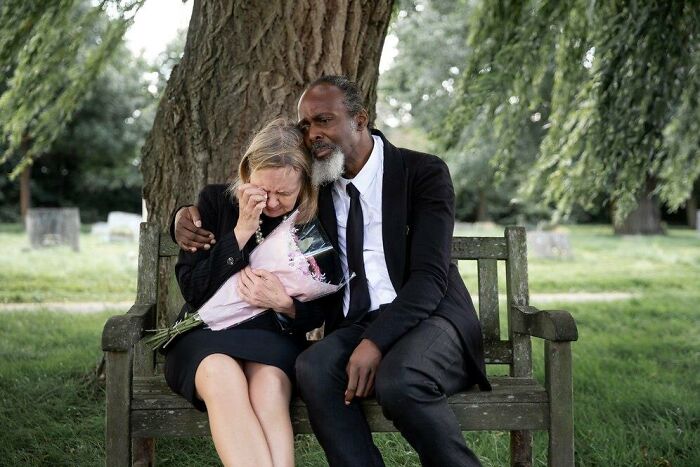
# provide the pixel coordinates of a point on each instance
(280, 144)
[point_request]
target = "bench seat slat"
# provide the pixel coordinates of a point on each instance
(514, 403)
(191, 422)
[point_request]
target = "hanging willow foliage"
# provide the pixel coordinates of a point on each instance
(623, 107)
(50, 54)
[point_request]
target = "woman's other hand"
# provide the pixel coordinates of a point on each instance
(263, 289)
(251, 202)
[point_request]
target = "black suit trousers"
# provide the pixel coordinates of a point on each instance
(412, 384)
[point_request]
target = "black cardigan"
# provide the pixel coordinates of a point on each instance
(202, 273)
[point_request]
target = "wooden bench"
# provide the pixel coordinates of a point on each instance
(141, 407)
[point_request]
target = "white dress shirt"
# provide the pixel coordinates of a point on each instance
(369, 183)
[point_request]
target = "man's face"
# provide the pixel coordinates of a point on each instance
(326, 124)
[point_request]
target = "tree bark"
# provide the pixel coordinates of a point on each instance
(691, 210)
(646, 218)
(244, 64)
(482, 208)
(25, 192)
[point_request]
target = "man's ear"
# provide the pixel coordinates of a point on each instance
(361, 120)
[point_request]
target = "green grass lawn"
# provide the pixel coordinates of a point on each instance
(636, 363)
(98, 272)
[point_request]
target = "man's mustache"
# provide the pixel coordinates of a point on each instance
(320, 146)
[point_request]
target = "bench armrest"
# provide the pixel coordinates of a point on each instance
(555, 326)
(123, 331)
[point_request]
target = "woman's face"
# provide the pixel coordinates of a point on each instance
(282, 185)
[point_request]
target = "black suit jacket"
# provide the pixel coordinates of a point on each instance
(417, 227)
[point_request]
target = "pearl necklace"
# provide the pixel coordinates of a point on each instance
(259, 234)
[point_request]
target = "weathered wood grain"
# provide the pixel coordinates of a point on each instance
(514, 403)
(517, 294)
(559, 385)
(118, 405)
(488, 299)
(556, 326)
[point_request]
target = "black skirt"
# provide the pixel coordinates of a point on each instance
(259, 340)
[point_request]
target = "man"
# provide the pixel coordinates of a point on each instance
(405, 328)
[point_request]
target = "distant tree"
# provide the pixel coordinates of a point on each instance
(432, 48)
(624, 121)
(418, 90)
(50, 56)
(94, 163)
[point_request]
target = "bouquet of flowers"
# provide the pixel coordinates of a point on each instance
(298, 255)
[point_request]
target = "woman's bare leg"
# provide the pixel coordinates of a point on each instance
(270, 391)
(238, 437)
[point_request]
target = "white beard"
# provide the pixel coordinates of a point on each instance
(328, 170)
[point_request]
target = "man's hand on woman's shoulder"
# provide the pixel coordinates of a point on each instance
(189, 234)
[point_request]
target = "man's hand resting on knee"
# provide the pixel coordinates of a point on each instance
(361, 368)
(189, 233)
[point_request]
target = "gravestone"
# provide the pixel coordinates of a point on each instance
(549, 244)
(123, 226)
(53, 226)
(100, 230)
(697, 220)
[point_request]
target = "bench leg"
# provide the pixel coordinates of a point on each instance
(144, 450)
(521, 448)
(559, 384)
(117, 426)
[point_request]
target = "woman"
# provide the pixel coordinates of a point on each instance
(242, 376)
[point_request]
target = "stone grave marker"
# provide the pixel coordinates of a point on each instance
(549, 244)
(53, 226)
(123, 226)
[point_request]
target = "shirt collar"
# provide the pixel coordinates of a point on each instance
(365, 177)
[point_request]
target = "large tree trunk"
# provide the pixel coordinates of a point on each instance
(646, 218)
(244, 64)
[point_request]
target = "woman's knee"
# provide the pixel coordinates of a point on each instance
(267, 382)
(218, 375)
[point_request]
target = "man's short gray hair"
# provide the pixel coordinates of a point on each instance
(353, 100)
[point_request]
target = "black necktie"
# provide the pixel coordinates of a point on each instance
(359, 293)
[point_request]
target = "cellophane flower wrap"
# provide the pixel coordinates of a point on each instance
(299, 255)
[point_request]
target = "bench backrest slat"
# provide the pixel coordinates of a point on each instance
(517, 294)
(488, 299)
(147, 284)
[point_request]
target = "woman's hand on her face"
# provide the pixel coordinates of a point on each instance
(251, 202)
(263, 289)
